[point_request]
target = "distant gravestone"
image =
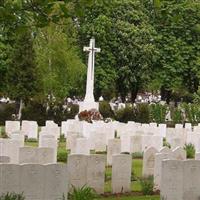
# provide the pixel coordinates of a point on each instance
(30, 129)
(179, 154)
(136, 144)
(114, 147)
(149, 161)
(96, 172)
(50, 142)
(82, 146)
(100, 141)
(121, 173)
(165, 150)
(12, 126)
(71, 142)
(125, 142)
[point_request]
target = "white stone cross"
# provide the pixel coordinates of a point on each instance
(89, 97)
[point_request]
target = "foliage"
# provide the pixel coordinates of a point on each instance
(166, 144)
(176, 115)
(178, 42)
(12, 196)
(192, 112)
(37, 111)
(61, 71)
(196, 99)
(62, 155)
(83, 193)
(106, 110)
(190, 150)
(90, 115)
(6, 112)
(158, 113)
(147, 185)
(21, 74)
(125, 114)
(123, 32)
(142, 113)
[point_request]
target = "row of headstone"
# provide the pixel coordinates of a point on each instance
(34, 181)
(90, 171)
(180, 180)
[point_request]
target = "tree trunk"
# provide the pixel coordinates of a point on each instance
(21, 105)
(134, 93)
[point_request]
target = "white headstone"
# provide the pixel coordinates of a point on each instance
(121, 173)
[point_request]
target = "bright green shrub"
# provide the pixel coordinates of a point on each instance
(83, 193)
(142, 113)
(190, 150)
(158, 113)
(125, 114)
(147, 185)
(105, 110)
(12, 196)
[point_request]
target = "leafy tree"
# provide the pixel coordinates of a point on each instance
(61, 70)
(21, 76)
(123, 32)
(178, 40)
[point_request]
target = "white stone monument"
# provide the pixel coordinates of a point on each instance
(89, 102)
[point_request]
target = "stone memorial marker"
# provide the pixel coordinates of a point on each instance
(191, 180)
(172, 180)
(114, 147)
(89, 102)
(32, 181)
(4, 159)
(56, 182)
(96, 172)
(77, 170)
(149, 161)
(179, 154)
(159, 157)
(12, 126)
(136, 144)
(82, 146)
(121, 173)
(9, 178)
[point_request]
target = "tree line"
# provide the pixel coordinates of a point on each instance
(146, 46)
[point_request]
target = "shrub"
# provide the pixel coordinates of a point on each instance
(62, 138)
(142, 113)
(62, 155)
(166, 144)
(125, 114)
(83, 193)
(6, 112)
(147, 185)
(105, 110)
(34, 111)
(12, 196)
(158, 113)
(176, 115)
(190, 150)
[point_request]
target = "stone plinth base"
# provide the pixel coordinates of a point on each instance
(88, 106)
